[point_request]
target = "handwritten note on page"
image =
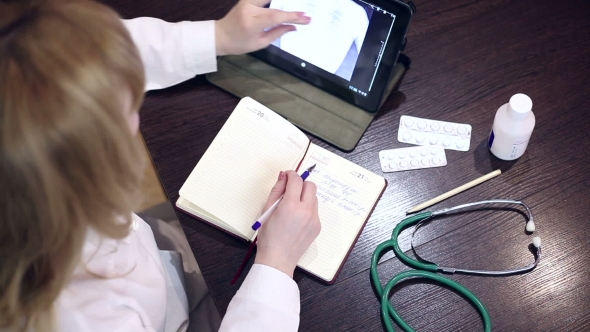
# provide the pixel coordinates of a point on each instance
(346, 195)
(234, 177)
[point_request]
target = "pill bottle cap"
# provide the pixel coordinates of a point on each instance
(520, 106)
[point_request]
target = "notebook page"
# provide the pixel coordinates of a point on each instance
(346, 195)
(196, 211)
(235, 175)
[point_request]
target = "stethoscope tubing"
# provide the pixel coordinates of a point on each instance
(428, 269)
(387, 308)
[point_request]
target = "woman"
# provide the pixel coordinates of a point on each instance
(73, 256)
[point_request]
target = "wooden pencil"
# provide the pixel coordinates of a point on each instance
(455, 191)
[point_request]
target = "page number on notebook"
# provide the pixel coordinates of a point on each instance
(258, 112)
(360, 176)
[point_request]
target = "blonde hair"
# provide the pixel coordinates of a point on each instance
(68, 160)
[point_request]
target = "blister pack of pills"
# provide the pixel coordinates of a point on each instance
(415, 157)
(449, 135)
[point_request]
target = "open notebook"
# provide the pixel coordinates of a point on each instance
(231, 183)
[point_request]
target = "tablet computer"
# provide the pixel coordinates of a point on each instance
(348, 49)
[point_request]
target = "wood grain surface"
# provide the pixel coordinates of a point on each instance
(468, 58)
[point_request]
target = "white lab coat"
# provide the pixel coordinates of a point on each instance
(122, 285)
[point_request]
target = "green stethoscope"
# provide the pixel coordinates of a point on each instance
(427, 269)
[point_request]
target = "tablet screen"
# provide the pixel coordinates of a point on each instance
(339, 39)
(348, 49)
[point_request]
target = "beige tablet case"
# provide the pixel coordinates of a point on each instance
(311, 109)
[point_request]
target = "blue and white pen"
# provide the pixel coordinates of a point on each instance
(273, 207)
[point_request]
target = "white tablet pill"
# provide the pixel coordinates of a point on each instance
(448, 128)
(462, 130)
(407, 136)
(419, 138)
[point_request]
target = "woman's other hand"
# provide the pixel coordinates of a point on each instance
(249, 27)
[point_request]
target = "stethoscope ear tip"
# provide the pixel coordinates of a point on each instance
(530, 226)
(537, 242)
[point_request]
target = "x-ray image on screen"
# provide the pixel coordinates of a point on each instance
(333, 39)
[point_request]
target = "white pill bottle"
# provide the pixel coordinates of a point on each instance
(512, 129)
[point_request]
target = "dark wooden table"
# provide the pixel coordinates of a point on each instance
(469, 57)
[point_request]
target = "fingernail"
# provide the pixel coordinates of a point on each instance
(307, 19)
(300, 14)
(281, 175)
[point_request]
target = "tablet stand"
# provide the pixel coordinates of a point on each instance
(309, 108)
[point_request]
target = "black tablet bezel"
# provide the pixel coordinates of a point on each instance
(326, 81)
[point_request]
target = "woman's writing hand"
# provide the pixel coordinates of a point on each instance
(293, 226)
(242, 30)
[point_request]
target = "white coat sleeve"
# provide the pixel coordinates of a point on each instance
(268, 300)
(173, 52)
